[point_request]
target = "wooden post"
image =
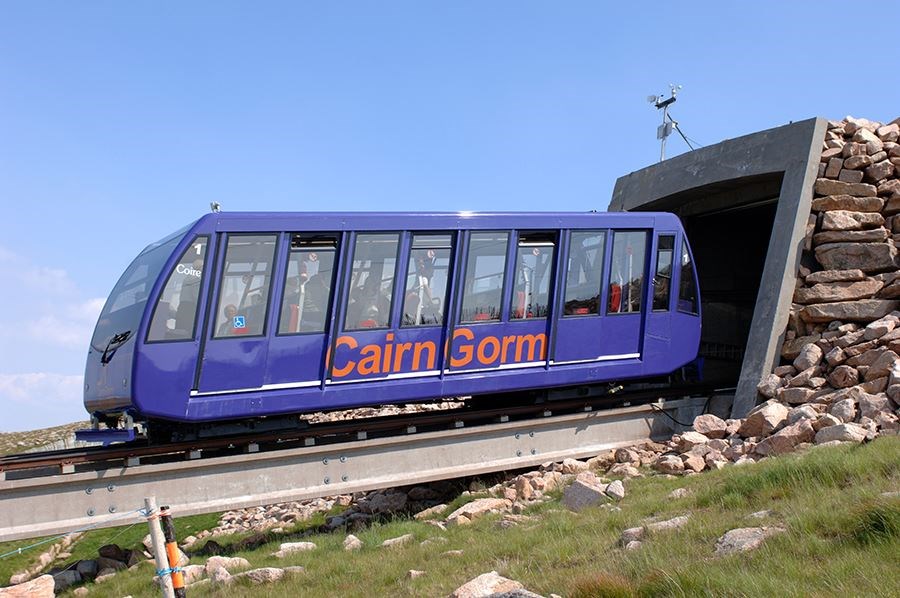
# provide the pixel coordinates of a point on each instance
(172, 551)
(159, 547)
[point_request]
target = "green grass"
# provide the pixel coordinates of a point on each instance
(842, 538)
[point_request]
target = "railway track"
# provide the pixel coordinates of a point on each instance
(58, 491)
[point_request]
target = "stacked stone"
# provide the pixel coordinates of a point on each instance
(841, 354)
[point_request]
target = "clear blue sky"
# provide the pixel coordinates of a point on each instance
(120, 122)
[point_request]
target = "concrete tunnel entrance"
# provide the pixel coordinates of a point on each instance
(745, 204)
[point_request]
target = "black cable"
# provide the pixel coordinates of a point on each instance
(690, 425)
(680, 132)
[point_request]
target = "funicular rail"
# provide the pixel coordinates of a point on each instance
(57, 503)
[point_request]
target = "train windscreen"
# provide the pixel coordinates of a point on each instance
(121, 315)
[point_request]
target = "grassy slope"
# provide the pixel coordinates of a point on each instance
(842, 539)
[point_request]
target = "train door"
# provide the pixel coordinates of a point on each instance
(391, 324)
(579, 325)
(234, 355)
(297, 350)
(659, 315)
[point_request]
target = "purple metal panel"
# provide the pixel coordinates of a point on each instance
(381, 354)
(477, 347)
(295, 358)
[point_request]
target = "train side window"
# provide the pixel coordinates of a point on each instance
(626, 282)
(308, 286)
(244, 288)
(372, 281)
(662, 282)
(687, 292)
(534, 269)
(583, 276)
(485, 269)
(426, 280)
(175, 313)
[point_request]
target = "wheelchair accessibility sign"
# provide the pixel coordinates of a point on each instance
(239, 322)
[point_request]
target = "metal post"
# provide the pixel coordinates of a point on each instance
(172, 551)
(159, 546)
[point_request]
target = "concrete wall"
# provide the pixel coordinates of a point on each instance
(780, 162)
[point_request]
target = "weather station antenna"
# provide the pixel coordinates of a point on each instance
(668, 123)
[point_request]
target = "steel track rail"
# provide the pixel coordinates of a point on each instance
(59, 503)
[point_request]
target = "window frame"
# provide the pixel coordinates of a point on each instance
(668, 307)
(553, 241)
(337, 237)
(608, 281)
(695, 304)
(348, 279)
(605, 232)
(464, 272)
(411, 235)
(221, 275)
(200, 298)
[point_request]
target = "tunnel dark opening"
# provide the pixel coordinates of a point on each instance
(730, 247)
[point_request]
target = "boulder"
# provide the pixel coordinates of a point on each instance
(865, 310)
(668, 524)
(844, 410)
(830, 187)
(829, 292)
(693, 462)
(63, 580)
(486, 585)
(743, 539)
(843, 376)
(796, 396)
(809, 356)
(845, 220)
(351, 542)
(39, 587)
(689, 440)
(786, 439)
(874, 235)
(843, 433)
(398, 541)
(791, 348)
(668, 464)
(383, 502)
(573, 466)
(615, 490)
(229, 563)
(847, 202)
(113, 551)
(585, 491)
(872, 405)
(764, 419)
(869, 257)
(882, 366)
(262, 576)
(769, 385)
(287, 548)
(710, 426)
(477, 508)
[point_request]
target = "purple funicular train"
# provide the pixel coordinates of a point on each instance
(252, 317)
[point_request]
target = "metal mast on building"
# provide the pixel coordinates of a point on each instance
(665, 129)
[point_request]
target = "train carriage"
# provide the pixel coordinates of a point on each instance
(242, 317)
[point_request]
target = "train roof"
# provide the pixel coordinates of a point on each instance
(259, 221)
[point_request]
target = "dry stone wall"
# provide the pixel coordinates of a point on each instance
(841, 354)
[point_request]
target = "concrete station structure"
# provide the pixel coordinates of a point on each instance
(745, 204)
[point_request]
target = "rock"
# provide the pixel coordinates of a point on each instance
(398, 541)
(616, 489)
(64, 580)
(710, 426)
(882, 365)
(229, 563)
(809, 356)
(843, 376)
(879, 171)
(879, 328)
(786, 439)
(836, 275)
(112, 551)
(88, 568)
(351, 542)
(220, 576)
(632, 534)
(668, 524)
(107, 563)
(825, 421)
(584, 492)
(573, 466)
(430, 512)
(829, 292)
(193, 573)
(39, 587)
(634, 545)
(452, 553)
(830, 187)
(477, 508)
(629, 471)
(291, 547)
(844, 220)
(414, 574)
(627, 455)
(872, 405)
(869, 257)
(848, 203)
(855, 163)
(864, 310)
(795, 396)
(802, 412)
(668, 464)
(842, 433)
(82, 591)
(844, 410)
(689, 440)
(485, 585)
(770, 385)
(524, 489)
(693, 462)
(262, 576)
(383, 502)
(764, 420)
(875, 235)
(743, 539)
(104, 575)
(791, 349)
